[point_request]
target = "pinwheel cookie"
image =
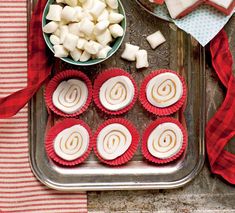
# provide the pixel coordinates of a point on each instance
(163, 92)
(115, 141)
(69, 93)
(164, 140)
(115, 91)
(68, 142)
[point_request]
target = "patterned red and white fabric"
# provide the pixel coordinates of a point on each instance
(221, 128)
(19, 189)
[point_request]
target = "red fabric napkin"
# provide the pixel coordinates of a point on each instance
(221, 128)
(39, 66)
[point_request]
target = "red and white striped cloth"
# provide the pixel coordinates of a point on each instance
(19, 189)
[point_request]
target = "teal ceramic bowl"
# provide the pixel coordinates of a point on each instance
(115, 45)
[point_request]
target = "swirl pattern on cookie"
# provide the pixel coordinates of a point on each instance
(70, 96)
(72, 142)
(165, 140)
(116, 93)
(113, 141)
(164, 90)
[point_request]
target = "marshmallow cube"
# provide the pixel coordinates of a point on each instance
(68, 13)
(116, 30)
(85, 56)
(71, 3)
(112, 4)
(92, 47)
(64, 30)
(129, 52)
(50, 27)
(60, 51)
(142, 59)
(97, 8)
(76, 54)
(103, 16)
(156, 39)
(57, 33)
(104, 38)
(87, 26)
(88, 4)
(81, 43)
(101, 27)
(79, 15)
(103, 52)
(55, 40)
(115, 18)
(70, 42)
(74, 28)
(60, 1)
(54, 13)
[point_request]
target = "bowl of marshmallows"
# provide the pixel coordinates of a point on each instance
(83, 32)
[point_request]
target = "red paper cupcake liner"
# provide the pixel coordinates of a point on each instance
(166, 110)
(56, 80)
(124, 158)
(149, 130)
(55, 130)
(103, 77)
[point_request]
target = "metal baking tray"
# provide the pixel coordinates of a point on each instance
(181, 53)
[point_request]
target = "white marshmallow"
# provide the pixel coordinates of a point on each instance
(88, 4)
(103, 16)
(104, 38)
(112, 4)
(87, 26)
(116, 30)
(101, 27)
(85, 56)
(155, 39)
(60, 51)
(57, 32)
(76, 54)
(141, 59)
(74, 28)
(60, 1)
(79, 15)
(115, 18)
(92, 47)
(129, 52)
(104, 52)
(70, 42)
(81, 43)
(97, 8)
(64, 30)
(71, 3)
(87, 15)
(68, 13)
(54, 39)
(51, 27)
(54, 13)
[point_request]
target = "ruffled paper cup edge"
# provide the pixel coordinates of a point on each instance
(127, 156)
(156, 110)
(55, 130)
(56, 80)
(104, 76)
(148, 131)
